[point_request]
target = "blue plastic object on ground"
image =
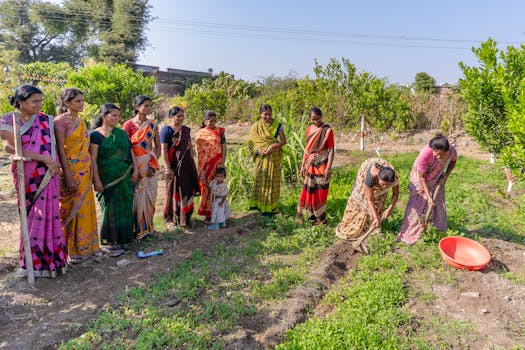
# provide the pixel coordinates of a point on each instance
(142, 255)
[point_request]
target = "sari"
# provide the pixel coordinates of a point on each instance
(208, 144)
(358, 217)
(182, 182)
(77, 209)
(116, 202)
(267, 184)
(435, 169)
(145, 190)
(42, 190)
(312, 200)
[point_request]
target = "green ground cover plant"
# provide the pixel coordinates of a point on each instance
(203, 299)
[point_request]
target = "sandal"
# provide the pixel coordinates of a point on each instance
(75, 261)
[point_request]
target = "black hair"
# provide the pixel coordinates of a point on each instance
(220, 170)
(265, 107)
(386, 173)
(207, 115)
(139, 100)
(174, 111)
(316, 110)
(105, 109)
(439, 142)
(22, 93)
(66, 96)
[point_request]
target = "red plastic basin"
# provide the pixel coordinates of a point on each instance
(464, 253)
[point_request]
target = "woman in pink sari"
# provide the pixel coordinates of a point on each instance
(210, 145)
(144, 135)
(432, 167)
(48, 244)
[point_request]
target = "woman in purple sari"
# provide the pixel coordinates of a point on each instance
(48, 244)
(432, 167)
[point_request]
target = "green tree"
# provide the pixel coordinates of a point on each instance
(111, 31)
(482, 88)
(424, 83)
(124, 38)
(39, 31)
(495, 93)
(117, 84)
(218, 94)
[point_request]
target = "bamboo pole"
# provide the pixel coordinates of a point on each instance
(18, 158)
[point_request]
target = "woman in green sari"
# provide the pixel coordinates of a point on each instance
(266, 142)
(113, 163)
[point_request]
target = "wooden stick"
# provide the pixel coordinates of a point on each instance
(426, 218)
(19, 159)
(358, 245)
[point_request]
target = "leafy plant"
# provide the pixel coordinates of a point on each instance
(117, 84)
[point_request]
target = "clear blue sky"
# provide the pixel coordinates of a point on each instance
(391, 39)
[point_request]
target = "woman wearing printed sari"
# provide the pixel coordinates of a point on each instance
(77, 202)
(144, 136)
(366, 204)
(42, 187)
(210, 145)
(316, 168)
(266, 141)
(112, 162)
(432, 167)
(182, 182)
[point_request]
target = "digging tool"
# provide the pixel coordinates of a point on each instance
(19, 159)
(424, 219)
(359, 244)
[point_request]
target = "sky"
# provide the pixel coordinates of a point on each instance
(395, 40)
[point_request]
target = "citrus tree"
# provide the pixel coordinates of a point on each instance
(495, 93)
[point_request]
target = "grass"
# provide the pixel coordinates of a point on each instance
(200, 302)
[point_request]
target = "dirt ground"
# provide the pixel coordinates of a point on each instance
(53, 310)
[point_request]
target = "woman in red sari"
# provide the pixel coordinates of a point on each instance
(316, 168)
(210, 144)
(144, 136)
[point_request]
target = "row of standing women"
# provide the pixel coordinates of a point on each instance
(122, 166)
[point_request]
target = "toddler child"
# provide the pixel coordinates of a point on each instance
(220, 209)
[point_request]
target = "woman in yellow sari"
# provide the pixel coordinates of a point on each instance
(266, 141)
(210, 144)
(77, 202)
(144, 136)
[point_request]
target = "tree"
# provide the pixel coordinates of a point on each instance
(495, 94)
(482, 88)
(112, 31)
(117, 84)
(124, 39)
(424, 83)
(41, 31)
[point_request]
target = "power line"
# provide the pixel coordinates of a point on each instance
(174, 25)
(80, 17)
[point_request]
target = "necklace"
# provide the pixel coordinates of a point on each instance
(21, 116)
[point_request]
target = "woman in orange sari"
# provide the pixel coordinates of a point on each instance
(77, 201)
(316, 168)
(144, 136)
(210, 144)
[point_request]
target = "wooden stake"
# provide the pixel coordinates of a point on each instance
(19, 159)
(362, 134)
